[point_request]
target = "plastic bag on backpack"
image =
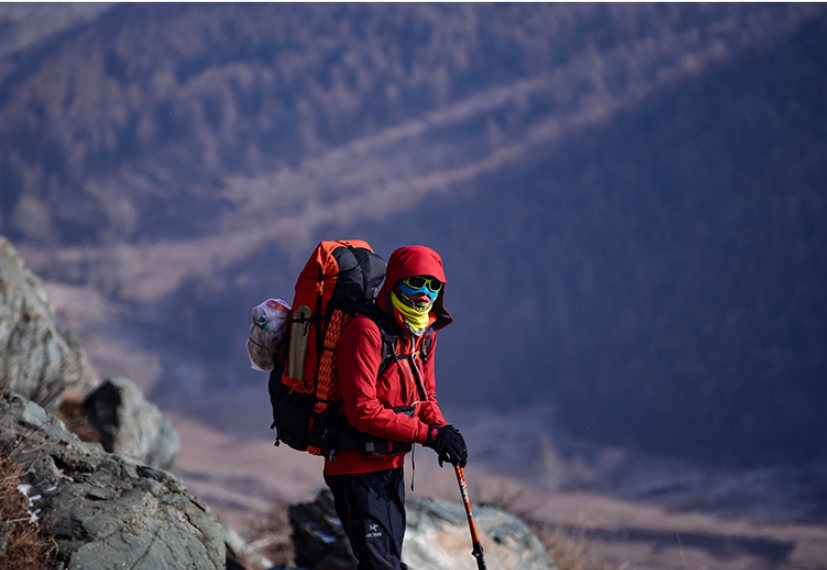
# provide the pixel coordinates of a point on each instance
(266, 332)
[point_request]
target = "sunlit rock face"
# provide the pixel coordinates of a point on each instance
(103, 509)
(131, 425)
(37, 359)
(437, 536)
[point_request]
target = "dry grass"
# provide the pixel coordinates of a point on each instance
(72, 414)
(23, 544)
(570, 550)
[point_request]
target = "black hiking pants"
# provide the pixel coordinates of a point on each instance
(371, 507)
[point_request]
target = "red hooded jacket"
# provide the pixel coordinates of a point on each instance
(368, 400)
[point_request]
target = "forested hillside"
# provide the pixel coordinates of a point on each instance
(629, 197)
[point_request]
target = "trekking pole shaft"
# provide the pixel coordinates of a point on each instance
(475, 539)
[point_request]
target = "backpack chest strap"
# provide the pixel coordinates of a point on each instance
(411, 358)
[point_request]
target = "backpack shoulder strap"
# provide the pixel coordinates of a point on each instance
(387, 329)
(426, 347)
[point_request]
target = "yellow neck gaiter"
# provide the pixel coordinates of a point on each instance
(417, 319)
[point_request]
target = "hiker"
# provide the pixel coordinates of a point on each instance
(400, 406)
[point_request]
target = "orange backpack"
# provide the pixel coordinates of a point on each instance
(340, 280)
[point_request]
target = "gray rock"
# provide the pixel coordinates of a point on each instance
(37, 359)
(105, 511)
(437, 537)
(237, 548)
(131, 425)
(319, 537)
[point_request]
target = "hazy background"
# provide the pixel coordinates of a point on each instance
(630, 201)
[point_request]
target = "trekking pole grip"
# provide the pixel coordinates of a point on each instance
(475, 539)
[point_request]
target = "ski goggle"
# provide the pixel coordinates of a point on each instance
(420, 284)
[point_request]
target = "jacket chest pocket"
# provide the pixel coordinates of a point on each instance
(394, 386)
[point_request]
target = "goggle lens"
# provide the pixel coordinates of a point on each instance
(418, 283)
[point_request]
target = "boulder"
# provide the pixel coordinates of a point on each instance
(319, 537)
(37, 359)
(437, 537)
(131, 425)
(105, 511)
(238, 549)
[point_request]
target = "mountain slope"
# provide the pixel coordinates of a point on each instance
(627, 197)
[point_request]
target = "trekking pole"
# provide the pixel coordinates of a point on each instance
(475, 539)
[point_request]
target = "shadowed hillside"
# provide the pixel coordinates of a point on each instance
(674, 282)
(629, 198)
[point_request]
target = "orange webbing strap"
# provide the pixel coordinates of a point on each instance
(326, 385)
(327, 362)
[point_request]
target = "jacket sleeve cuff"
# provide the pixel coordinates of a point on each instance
(426, 434)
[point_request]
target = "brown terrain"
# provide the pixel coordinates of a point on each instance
(239, 477)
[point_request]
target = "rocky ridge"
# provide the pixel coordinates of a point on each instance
(103, 509)
(131, 425)
(40, 361)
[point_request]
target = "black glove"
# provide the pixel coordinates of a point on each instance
(448, 444)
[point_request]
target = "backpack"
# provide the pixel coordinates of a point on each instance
(339, 281)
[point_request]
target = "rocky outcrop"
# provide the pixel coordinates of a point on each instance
(318, 535)
(437, 537)
(131, 425)
(39, 360)
(43, 363)
(103, 510)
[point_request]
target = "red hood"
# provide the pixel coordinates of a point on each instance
(415, 260)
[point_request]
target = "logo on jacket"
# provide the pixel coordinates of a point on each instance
(373, 531)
